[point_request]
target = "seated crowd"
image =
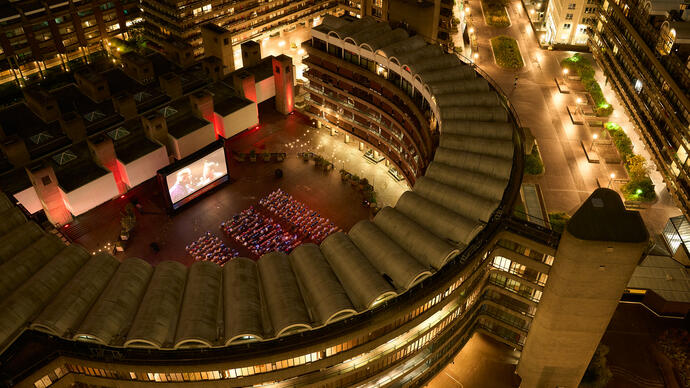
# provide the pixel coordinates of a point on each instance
(209, 247)
(258, 233)
(308, 223)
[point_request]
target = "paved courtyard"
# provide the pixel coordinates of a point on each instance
(568, 178)
(320, 191)
(482, 363)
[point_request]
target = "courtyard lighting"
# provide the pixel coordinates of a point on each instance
(611, 179)
(476, 56)
(467, 9)
(531, 11)
(471, 30)
(565, 71)
(594, 139)
(281, 43)
(579, 101)
(300, 51)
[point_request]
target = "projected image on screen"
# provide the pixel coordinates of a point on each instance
(196, 175)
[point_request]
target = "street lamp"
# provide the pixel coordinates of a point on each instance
(594, 139)
(578, 101)
(565, 71)
(611, 179)
(476, 56)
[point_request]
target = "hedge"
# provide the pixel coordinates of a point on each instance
(640, 186)
(580, 65)
(558, 221)
(533, 162)
(507, 52)
(495, 13)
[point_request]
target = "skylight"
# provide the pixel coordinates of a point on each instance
(64, 157)
(118, 133)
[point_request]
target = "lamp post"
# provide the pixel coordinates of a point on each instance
(565, 72)
(594, 139)
(611, 179)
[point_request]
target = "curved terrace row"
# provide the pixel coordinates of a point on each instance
(69, 293)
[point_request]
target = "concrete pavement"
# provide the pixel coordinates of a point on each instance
(568, 178)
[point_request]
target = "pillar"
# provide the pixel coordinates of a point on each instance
(284, 76)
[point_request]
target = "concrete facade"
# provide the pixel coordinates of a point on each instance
(596, 256)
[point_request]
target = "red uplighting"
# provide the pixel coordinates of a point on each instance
(66, 226)
(122, 196)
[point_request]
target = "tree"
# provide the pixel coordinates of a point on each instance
(637, 167)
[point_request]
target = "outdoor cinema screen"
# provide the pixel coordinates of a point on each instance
(196, 175)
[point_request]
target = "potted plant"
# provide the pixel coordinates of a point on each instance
(252, 156)
(354, 180)
(305, 156)
(267, 156)
(344, 175)
(363, 183)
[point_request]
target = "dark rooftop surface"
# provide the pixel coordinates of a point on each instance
(262, 70)
(14, 181)
(186, 124)
(135, 145)
(19, 120)
(215, 28)
(96, 115)
(79, 171)
(603, 217)
(230, 105)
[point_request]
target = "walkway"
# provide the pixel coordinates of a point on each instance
(482, 363)
(568, 178)
(296, 134)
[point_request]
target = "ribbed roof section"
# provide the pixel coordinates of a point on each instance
(283, 298)
(71, 304)
(156, 319)
(242, 300)
(360, 279)
(200, 313)
(114, 310)
(324, 294)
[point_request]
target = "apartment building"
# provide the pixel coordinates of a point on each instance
(39, 37)
(644, 50)
(431, 19)
(179, 22)
(566, 21)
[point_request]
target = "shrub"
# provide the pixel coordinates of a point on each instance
(558, 221)
(533, 163)
(495, 13)
(620, 140)
(507, 52)
(675, 344)
(580, 65)
(639, 190)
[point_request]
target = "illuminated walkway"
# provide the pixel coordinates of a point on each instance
(569, 177)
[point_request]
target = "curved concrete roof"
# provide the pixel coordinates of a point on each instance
(242, 298)
(67, 292)
(156, 319)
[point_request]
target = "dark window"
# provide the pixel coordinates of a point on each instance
(226, 41)
(287, 70)
(100, 88)
(319, 44)
(277, 69)
(351, 57)
(49, 107)
(46, 180)
(335, 50)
